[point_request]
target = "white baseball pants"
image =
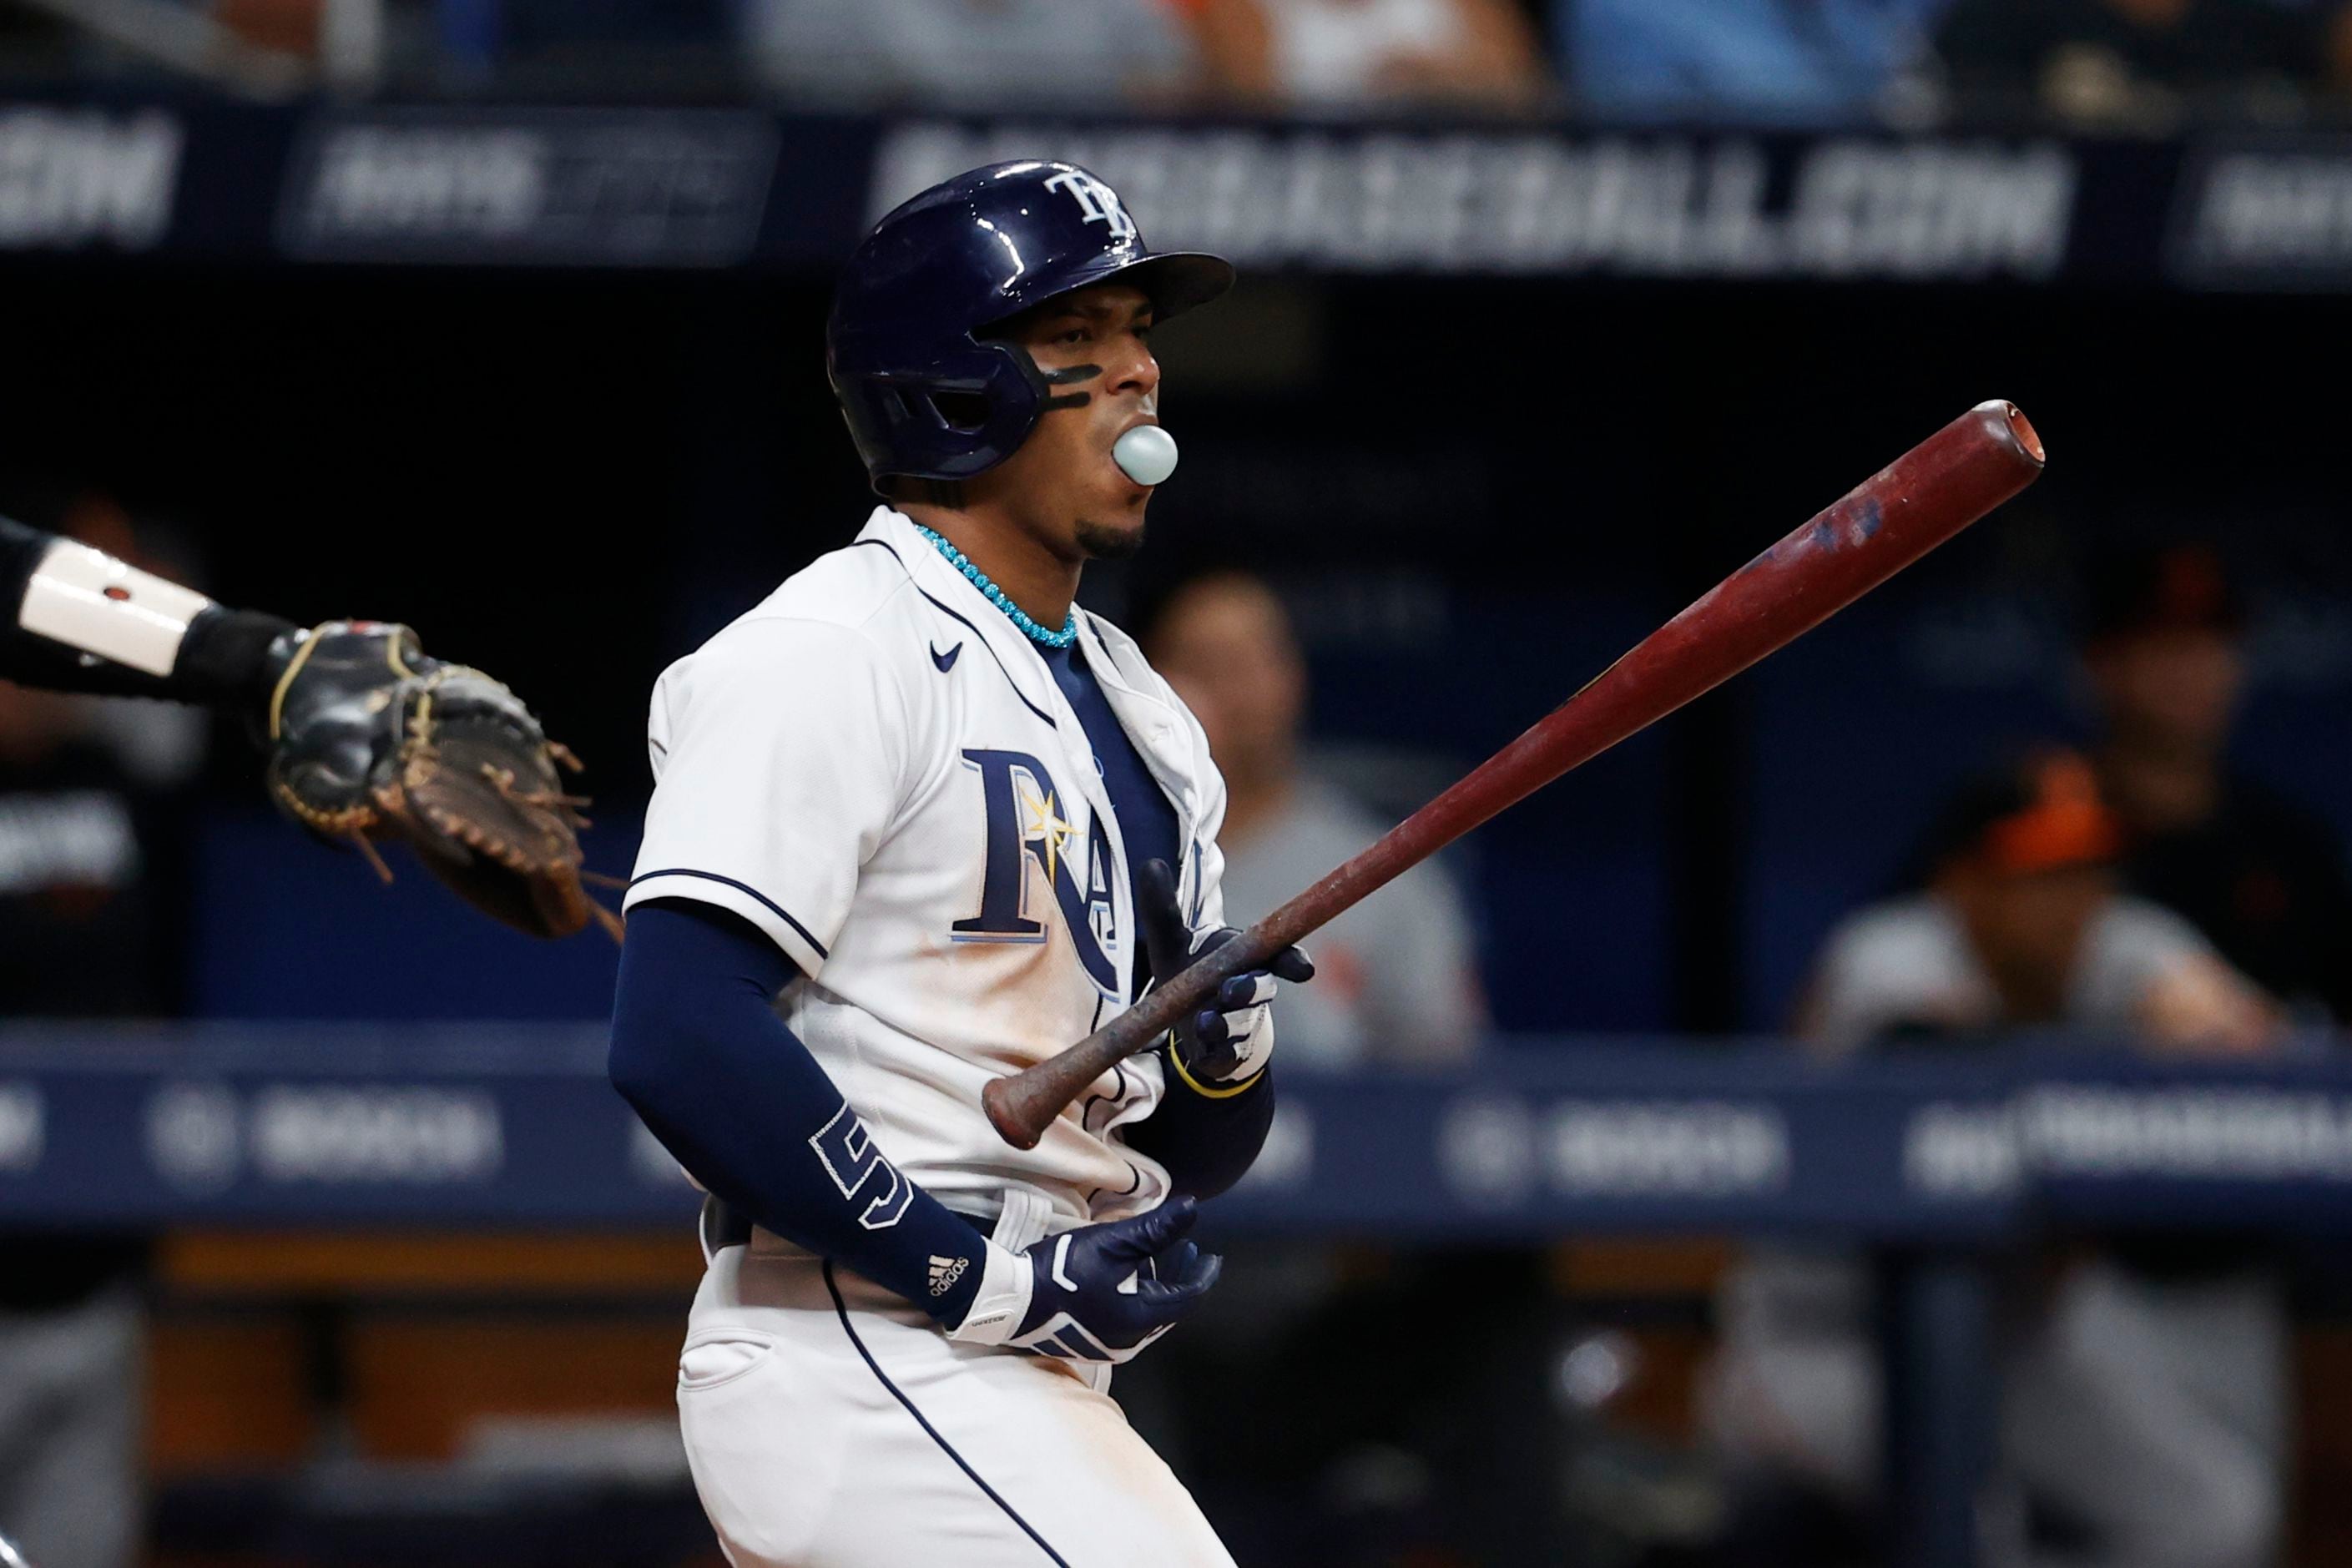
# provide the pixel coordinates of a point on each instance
(831, 1425)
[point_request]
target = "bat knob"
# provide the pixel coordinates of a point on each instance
(1001, 1100)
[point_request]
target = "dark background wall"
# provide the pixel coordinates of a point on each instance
(1473, 507)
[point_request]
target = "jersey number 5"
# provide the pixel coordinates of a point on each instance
(847, 1150)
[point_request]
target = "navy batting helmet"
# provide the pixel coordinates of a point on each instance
(927, 394)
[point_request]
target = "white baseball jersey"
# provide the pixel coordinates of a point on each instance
(875, 769)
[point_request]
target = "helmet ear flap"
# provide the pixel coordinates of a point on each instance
(968, 414)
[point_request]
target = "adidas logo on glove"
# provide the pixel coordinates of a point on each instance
(945, 1272)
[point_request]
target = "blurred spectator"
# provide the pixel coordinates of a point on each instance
(284, 26)
(1476, 54)
(2108, 59)
(986, 53)
(2023, 925)
(1787, 60)
(1341, 1467)
(2261, 878)
(1394, 976)
(2144, 1412)
(80, 936)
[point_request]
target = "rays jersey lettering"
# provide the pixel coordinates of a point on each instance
(875, 768)
(1027, 829)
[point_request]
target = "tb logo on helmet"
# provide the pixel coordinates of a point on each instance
(1097, 201)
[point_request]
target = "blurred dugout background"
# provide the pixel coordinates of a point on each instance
(503, 317)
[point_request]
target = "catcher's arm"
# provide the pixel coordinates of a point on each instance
(84, 621)
(367, 737)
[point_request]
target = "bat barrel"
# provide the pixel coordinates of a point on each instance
(1883, 525)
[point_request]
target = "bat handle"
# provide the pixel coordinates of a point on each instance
(1020, 1107)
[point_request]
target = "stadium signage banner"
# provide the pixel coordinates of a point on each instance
(75, 177)
(1501, 1152)
(693, 188)
(2274, 216)
(1649, 207)
(23, 1126)
(560, 187)
(517, 1124)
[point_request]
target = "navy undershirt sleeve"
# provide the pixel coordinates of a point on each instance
(1206, 1143)
(732, 1093)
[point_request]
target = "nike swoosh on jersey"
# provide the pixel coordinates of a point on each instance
(945, 661)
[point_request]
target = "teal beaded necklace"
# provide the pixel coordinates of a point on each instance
(996, 596)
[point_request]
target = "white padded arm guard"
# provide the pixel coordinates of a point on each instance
(89, 601)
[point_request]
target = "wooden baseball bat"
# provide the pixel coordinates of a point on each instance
(1899, 514)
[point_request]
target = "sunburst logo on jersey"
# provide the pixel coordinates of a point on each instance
(1043, 824)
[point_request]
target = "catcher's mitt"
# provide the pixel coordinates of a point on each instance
(370, 739)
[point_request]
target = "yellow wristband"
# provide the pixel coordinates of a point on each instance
(1177, 1063)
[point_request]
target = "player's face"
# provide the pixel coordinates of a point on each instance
(2177, 689)
(1226, 646)
(1094, 349)
(2029, 926)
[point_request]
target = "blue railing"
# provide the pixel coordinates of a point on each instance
(498, 1123)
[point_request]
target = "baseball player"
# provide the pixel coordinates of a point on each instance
(919, 822)
(367, 737)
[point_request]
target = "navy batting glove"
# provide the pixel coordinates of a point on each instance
(1101, 1292)
(1230, 1040)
